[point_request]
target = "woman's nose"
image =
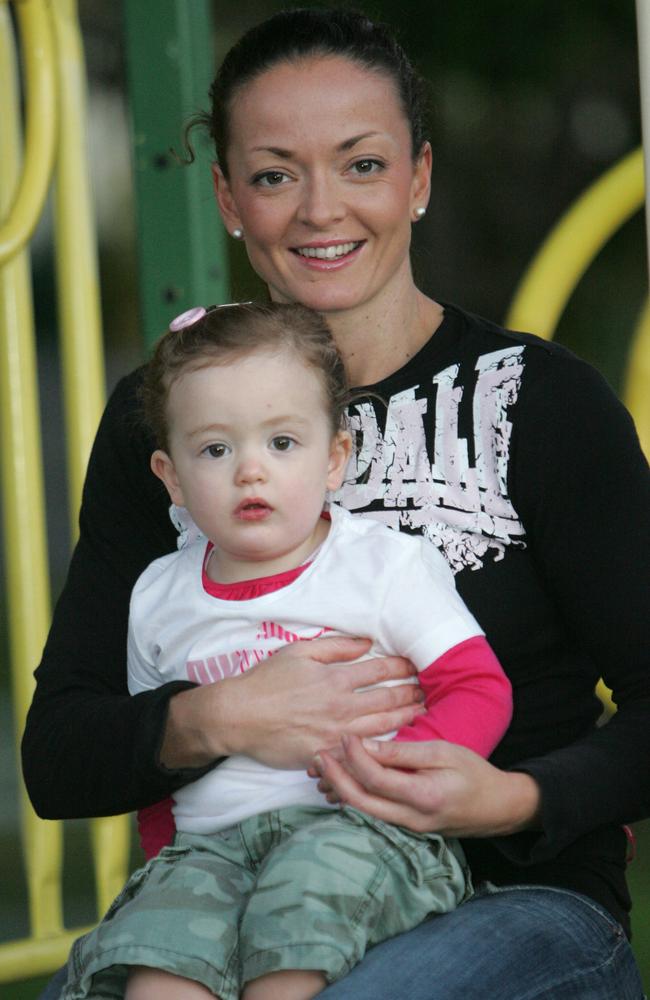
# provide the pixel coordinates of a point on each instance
(321, 204)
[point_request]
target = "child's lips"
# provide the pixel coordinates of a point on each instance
(253, 509)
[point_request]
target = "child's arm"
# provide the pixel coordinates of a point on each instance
(467, 696)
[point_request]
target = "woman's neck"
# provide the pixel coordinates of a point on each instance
(375, 342)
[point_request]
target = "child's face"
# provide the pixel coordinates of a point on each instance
(251, 456)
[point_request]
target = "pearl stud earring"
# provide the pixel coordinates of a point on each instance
(420, 211)
(238, 234)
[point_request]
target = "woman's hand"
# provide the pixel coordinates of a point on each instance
(282, 711)
(447, 789)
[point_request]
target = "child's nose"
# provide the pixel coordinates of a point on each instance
(250, 470)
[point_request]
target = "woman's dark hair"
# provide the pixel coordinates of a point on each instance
(227, 333)
(295, 34)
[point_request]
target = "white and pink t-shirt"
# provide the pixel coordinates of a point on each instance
(365, 580)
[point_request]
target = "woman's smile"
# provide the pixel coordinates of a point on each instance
(329, 256)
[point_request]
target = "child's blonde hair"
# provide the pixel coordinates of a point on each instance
(226, 333)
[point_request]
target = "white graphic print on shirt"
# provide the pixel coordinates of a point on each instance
(463, 508)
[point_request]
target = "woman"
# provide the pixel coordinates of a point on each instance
(508, 453)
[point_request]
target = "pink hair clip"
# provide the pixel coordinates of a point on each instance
(187, 318)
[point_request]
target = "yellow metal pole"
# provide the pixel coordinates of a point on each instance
(27, 958)
(21, 214)
(643, 37)
(76, 257)
(637, 385)
(23, 493)
(636, 394)
(81, 342)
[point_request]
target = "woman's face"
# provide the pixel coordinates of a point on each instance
(323, 184)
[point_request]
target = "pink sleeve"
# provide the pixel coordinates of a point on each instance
(468, 699)
(156, 827)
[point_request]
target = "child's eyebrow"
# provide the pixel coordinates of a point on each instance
(207, 429)
(286, 418)
(281, 419)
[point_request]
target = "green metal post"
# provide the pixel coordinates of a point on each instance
(181, 241)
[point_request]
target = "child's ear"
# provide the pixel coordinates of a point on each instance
(163, 467)
(340, 452)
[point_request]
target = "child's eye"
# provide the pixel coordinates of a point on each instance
(282, 443)
(216, 450)
(270, 178)
(367, 166)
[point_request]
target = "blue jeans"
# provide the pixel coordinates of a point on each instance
(519, 943)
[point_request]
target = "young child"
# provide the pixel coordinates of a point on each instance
(268, 890)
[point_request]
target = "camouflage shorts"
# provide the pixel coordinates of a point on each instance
(299, 888)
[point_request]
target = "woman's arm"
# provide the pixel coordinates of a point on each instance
(89, 748)
(581, 486)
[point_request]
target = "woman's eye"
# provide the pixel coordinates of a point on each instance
(216, 450)
(365, 167)
(282, 443)
(270, 178)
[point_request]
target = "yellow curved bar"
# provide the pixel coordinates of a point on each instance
(38, 54)
(636, 392)
(111, 841)
(76, 258)
(23, 493)
(26, 958)
(81, 345)
(572, 245)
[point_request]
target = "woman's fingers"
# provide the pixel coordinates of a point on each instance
(411, 756)
(340, 786)
(266, 714)
(430, 786)
(332, 649)
(393, 781)
(384, 772)
(381, 669)
(385, 722)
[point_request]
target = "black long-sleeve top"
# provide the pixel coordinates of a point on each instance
(516, 459)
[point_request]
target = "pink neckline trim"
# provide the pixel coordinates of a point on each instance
(247, 590)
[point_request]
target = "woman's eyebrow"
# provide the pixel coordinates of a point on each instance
(349, 143)
(287, 154)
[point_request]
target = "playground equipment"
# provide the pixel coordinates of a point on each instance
(54, 149)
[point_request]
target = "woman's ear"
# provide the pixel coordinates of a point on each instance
(163, 467)
(421, 186)
(340, 452)
(225, 201)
